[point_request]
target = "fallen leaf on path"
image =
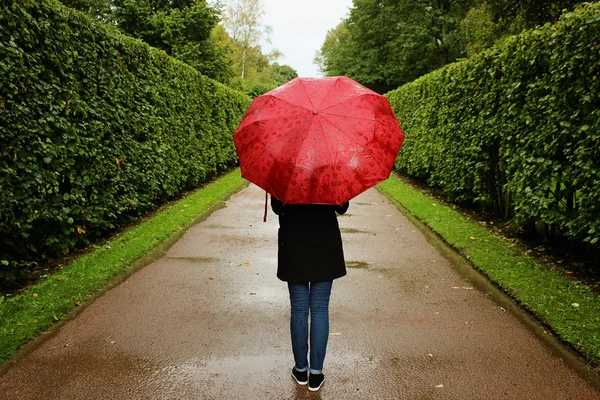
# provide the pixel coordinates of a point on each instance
(426, 286)
(502, 308)
(246, 264)
(210, 278)
(336, 333)
(430, 355)
(439, 386)
(112, 342)
(252, 293)
(462, 287)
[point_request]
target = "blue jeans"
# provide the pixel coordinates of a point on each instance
(313, 297)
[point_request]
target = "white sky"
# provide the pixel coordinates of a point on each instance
(299, 29)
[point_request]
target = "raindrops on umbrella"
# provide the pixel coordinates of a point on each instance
(318, 140)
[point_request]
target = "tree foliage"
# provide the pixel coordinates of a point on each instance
(333, 58)
(255, 71)
(243, 23)
(386, 43)
(515, 128)
(281, 74)
(514, 16)
(182, 28)
(479, 30)
(221, 40)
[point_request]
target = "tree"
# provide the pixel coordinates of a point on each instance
(281, 74)
(243, 23)
(385, 43)
(479, 30)
(182, 28)
(494, 19)
(518, 15)
(333, 58)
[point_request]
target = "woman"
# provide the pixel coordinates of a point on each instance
(309, 258)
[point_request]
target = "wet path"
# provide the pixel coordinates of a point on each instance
(210, 321)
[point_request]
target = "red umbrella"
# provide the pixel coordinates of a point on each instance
(318, 140)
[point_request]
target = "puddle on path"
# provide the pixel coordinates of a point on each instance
(351, 230)
(199, 260)
(357, 264)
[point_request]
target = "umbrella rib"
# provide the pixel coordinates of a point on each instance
(289, 102)
(325, 142)
(263, 120)
(352, 98)
(328, 93)
(269, 147)
(307, 96)
(347, 116)
(339, 129)
(351, 138)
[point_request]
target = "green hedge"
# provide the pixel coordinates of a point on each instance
(516, 128)
(96, 128)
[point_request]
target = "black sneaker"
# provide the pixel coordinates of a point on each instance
(315, 381)
(300, 377)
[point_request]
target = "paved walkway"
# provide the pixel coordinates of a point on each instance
(210, 321)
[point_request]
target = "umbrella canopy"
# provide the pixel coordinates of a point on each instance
(318, 140)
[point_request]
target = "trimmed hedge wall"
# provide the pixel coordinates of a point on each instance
(96, 128)
(516, 128)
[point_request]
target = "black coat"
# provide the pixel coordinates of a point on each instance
(310, 243)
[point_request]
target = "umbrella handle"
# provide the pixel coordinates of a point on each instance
(266, 198)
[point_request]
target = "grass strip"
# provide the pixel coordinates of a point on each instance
(25, 316)
(566, 306)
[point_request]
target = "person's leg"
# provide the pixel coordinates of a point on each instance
(299, 299)
(319, 324)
